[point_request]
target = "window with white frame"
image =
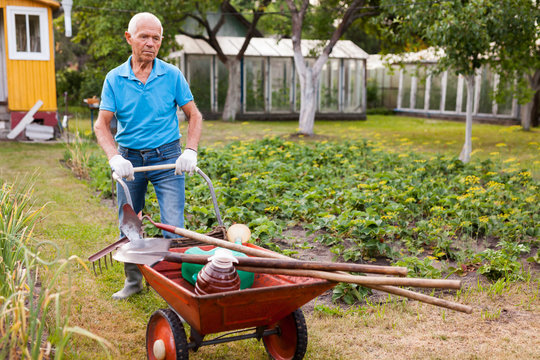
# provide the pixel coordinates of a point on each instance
(28, 33)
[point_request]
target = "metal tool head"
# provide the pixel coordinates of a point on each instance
(152, 251)
(131, 226)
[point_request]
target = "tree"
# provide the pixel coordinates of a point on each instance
(459, 27)
(209, 32)
(324, 15)
(515, 29)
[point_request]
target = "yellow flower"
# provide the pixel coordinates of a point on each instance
(509, 160)
(245, 123)
(500, 145)
(403, 155)
(483, 219)
(234, 179)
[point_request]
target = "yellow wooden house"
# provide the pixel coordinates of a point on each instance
(27, 75)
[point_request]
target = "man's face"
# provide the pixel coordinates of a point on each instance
(146, 40)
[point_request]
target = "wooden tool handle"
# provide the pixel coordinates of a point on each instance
(452, 305)
(361, 280)
(286, 264)
(154, 167)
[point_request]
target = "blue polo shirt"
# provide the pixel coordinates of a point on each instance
(146, 113)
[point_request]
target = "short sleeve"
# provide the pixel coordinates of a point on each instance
(108, 101)
(183, 93)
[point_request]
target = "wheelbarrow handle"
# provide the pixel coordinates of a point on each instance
(118, 179)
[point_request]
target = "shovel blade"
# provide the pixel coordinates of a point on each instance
(129, 253)
(131, 226)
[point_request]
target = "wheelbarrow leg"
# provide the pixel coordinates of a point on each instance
(195, 339)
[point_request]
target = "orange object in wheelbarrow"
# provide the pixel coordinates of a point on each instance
(269, 310)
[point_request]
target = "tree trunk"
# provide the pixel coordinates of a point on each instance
(465, 155)
(232, 102)
(529, 110)
(526, 115)
(308, 102)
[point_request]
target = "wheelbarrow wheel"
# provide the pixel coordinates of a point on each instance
(291, 341)
(165, 337)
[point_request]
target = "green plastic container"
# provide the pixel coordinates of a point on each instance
(190, 271)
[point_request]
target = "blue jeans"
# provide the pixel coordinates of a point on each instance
(169, 188)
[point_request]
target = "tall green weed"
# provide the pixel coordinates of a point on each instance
(30, 295)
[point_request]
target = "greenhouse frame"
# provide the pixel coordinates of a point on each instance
(269, 86)
(413, 87)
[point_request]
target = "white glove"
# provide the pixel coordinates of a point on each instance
(187, 162)
(122, 167)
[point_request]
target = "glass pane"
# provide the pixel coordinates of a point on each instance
(420, 88)
(451, 92)
(486, 92)
(389, 90)
(505, 107)
(35, 36)
(352, 85)
(436, 92)
(223, 84)
(20, 32)
(280, 84)
(329, 90)
(200, 80)
(406, 90)
(254, 82)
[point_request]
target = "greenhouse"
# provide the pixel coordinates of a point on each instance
(413, 87)
(269, 86)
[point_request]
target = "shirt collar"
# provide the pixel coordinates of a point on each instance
(157, 69)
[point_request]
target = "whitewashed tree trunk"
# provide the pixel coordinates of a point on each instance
(232, 102)
(308, 103)
(526, 115)
(465, 155)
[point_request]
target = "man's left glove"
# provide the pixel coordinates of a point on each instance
(187, 162)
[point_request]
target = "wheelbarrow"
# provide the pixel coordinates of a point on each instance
(268, 311)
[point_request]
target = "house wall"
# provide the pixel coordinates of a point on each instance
(30, 80)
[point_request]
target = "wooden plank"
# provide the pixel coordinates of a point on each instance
(27, 119)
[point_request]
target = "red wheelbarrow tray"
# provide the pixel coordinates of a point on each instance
(270, 299)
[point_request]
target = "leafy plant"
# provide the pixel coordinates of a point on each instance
(419, 268)
(503, 263)
(349, 293)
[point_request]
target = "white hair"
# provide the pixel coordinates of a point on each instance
(132, 27)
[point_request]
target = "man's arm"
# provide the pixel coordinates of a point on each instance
(195, 120)
(187, 162)
(102, 129)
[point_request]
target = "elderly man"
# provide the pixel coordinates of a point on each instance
(143, 94)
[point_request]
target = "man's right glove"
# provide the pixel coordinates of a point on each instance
(122, 167)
